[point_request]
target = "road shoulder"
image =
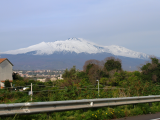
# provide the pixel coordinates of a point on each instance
(141, 117)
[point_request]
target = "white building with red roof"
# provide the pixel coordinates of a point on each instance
(6, 69)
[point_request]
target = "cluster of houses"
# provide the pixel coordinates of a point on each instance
(6, 70)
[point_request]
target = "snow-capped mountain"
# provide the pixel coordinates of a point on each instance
(66, 54)
(77, 45)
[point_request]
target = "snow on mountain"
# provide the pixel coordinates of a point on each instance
(77, 45)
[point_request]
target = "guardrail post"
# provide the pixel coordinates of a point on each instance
(134, 105)
(84, 110)
(150, 104)
(48, 114)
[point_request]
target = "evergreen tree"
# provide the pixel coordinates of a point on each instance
(16, 76)
(112, 64)
(7, 83)
(71, 74)
(151, 71)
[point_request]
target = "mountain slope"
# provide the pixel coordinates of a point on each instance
(77, 45)
(66, 54)
(63, 61)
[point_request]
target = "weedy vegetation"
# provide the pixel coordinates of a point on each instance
(77, 85)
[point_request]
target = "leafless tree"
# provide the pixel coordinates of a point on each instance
(92, 61)
(154, 78)
(94, 73)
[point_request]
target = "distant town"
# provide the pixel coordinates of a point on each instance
(41, 75)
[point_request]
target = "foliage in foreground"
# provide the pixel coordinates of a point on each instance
(81, 85)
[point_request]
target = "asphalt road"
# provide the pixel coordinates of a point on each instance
(142, 117)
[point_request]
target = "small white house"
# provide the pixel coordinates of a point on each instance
(6, 69)
(60, 78)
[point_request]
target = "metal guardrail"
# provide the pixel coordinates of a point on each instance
(51, 106)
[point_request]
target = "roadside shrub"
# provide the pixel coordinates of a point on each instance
(136, 111)
(7, 83)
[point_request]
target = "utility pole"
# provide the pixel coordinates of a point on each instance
(31, 91)
(98, 87)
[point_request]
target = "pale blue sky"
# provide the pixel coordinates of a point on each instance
(134, 24)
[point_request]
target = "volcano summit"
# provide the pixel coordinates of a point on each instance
(65, 54)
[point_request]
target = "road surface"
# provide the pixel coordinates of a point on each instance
(155, 116)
